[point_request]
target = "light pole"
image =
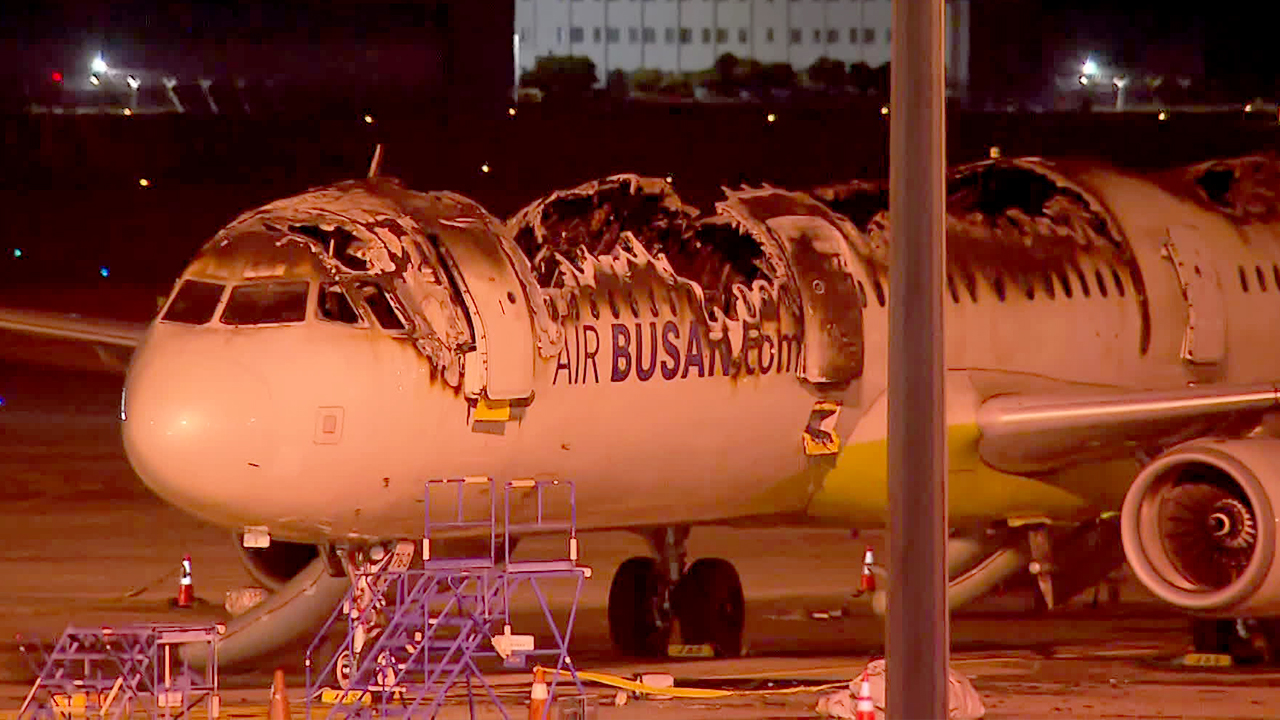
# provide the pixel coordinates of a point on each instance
(1120, 81)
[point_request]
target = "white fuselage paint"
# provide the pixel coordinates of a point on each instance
(222, 421)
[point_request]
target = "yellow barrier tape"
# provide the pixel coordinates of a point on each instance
(694, 693)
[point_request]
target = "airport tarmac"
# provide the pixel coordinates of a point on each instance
(85, 543)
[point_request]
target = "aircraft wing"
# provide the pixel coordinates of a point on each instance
(1040, 433)
(72, 327)
(112, 341)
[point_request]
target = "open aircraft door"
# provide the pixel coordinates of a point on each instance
(1205, 339)
(501, 365)
(823, 263)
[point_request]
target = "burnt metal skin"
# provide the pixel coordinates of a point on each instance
(669, 362)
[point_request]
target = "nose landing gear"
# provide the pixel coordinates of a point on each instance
(649, 594)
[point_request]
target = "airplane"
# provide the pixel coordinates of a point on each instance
(1111, 386)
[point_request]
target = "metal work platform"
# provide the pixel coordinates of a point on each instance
(419, 628)
(121, 671)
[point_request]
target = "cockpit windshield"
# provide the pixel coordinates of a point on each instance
(194, 303)
(267, 303)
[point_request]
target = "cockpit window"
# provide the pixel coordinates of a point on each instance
(266, 303)
(332, 304)
(194, 303)
(380, 305)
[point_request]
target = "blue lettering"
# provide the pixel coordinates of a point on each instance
(589, 351)
(621, 353)
(562, 363)
(670, 333)
(765, 367)
(641, 371)
(693, 352)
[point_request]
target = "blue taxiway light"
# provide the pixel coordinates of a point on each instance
(17, 252)
(104, 271)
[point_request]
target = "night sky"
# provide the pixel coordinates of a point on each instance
(1014, 42)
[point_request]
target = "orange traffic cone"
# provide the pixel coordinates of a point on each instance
(186, 591)
(867, 583)
(864, 708)
(279, 707)
(537, 695)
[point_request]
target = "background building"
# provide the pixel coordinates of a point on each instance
(688, 35)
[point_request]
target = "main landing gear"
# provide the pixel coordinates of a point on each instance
(650, 596)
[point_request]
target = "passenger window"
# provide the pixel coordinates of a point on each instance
(332, 304)
(267, 303)
(375, 298)
(194, 303)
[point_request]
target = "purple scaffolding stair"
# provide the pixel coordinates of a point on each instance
(439, 624)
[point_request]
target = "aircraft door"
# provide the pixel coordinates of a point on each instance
(501, 365)
(823, 263)
(1205, 339)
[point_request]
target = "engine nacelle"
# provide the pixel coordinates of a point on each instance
(1199, 529)
(278, 563)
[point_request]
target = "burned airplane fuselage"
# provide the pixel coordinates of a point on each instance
(339, 348)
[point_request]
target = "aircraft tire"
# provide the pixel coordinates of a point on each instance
(709, 604)
(638, 624)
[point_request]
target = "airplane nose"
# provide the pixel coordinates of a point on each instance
(196, 430)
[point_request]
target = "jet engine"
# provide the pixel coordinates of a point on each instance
(278, 563)
(1199, 529)
(303, 594)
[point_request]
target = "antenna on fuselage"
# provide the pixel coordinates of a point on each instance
(375, 165)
